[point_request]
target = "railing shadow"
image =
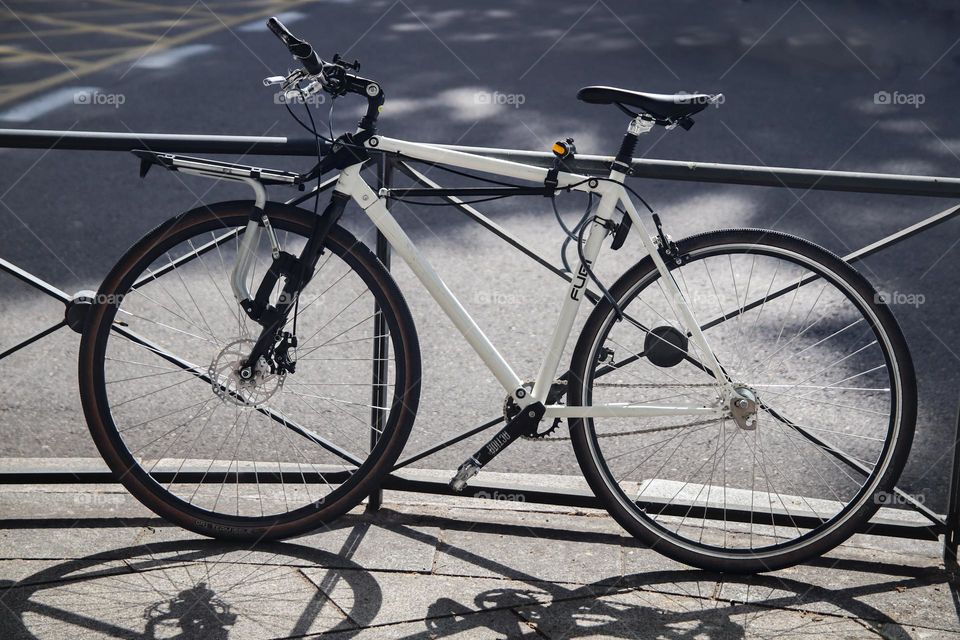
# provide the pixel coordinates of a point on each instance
(199, 589)
(209, 589)
(664, 603)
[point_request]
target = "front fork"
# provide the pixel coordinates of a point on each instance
(296, 271)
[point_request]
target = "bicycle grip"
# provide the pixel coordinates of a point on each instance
(300, 49)
(281, 31)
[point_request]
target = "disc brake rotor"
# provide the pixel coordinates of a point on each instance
(224, 373)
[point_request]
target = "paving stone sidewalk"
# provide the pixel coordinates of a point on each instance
(79, 561)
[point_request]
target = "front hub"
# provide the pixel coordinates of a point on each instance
(245, 386)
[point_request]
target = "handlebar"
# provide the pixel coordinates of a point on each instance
(299, 49)
(334, 77)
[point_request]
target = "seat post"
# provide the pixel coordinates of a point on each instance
(624, 159)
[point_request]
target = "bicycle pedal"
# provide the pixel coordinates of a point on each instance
(466, 471)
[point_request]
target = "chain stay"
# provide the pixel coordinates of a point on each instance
(647, 385)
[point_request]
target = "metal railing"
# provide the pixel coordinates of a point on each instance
(401, 478)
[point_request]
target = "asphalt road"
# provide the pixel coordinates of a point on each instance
(801, 82)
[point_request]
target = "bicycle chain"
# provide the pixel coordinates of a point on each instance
(620, 434)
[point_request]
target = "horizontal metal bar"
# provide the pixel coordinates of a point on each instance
(418, 483)
(581, 498)
(61, 475)
(187, 475)
(709, 172)
(761, 176)
(164, 142)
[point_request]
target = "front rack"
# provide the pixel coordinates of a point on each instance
(215, 168)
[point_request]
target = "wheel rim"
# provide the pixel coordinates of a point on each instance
(299, 444)
(681, 492)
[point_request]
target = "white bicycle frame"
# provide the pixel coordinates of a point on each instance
(611, 192)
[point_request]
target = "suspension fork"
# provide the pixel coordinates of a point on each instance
(296, 271)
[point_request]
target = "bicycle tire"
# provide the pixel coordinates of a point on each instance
(405, 354)
(819, 539)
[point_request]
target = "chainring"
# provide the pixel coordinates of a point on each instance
(557, 390)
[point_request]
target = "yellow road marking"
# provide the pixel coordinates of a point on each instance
(99, 13)
(180, 8)
(87, 27)
(80, 53)
(148, 6)
(13, 55)
(24, 35)
(166, 24)
(17, 92)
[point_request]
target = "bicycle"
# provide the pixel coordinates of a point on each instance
(715, 441)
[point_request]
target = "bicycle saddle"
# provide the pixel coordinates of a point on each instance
(669, 107)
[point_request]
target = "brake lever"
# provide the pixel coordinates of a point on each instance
(304, 92)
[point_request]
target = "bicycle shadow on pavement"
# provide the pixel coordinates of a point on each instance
(202, 588)
(190, 589)
(671, 603)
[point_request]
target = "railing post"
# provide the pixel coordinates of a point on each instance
(381, 341)
(951, 536)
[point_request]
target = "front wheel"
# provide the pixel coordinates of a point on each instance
(271, 456)
(797, 329)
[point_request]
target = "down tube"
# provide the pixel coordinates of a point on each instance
(353, 184)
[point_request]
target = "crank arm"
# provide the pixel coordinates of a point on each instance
(524, 424)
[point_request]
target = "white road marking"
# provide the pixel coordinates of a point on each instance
(171, 57)
(47, 102)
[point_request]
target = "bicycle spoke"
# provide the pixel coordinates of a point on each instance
(206, 437)
(764, 482)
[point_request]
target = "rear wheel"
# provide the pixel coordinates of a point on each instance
(270, 457)
(804, 333)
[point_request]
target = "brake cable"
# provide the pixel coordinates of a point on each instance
(316, 199)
